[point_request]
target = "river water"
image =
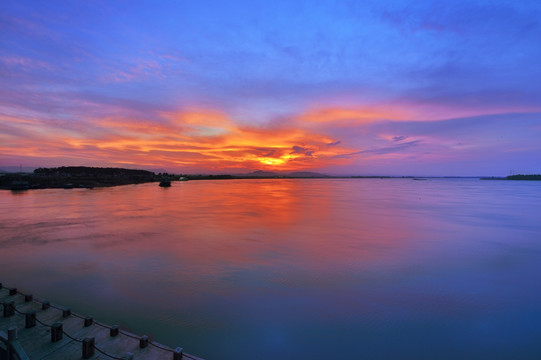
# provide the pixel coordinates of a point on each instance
(292, 269)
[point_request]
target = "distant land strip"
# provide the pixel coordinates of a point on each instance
(535, 177)
(69, 177)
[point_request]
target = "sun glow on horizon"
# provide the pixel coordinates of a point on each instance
(210, 140)
(271, 161)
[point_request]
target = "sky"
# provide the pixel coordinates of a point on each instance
(337, 87)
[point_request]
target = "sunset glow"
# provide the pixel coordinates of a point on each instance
(228, 95)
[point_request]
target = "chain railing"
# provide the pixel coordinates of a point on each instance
(88, 344)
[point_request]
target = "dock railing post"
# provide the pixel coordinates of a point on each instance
(88, 347)
(30, 319)
(9, 308)
(56, 332)
(14, 348)
(114, 330)
(12, 334)
(12, 337)
(143, 341)
(13, 291)
(177, 353)
(45, 305)
(89, 320)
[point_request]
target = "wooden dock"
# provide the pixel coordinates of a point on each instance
(45, 331)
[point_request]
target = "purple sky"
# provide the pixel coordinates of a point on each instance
(347, 87)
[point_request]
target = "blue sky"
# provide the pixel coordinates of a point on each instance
(401, 87)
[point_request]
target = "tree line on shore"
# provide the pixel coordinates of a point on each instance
(76, 177)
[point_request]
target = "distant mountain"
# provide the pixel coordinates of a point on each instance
(271, 174)
(261, 173)
(306, 174)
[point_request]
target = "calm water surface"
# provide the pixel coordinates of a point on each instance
(292, 269)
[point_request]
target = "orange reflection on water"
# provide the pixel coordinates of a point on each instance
(212, 225)
(210, 234)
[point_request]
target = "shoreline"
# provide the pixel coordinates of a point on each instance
(23, 182)
(81, 177)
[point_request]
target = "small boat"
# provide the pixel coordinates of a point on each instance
(165, 183)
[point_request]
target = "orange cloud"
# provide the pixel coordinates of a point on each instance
(194, 139)
(341, 115)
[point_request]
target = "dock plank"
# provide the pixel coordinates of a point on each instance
(36, 341)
